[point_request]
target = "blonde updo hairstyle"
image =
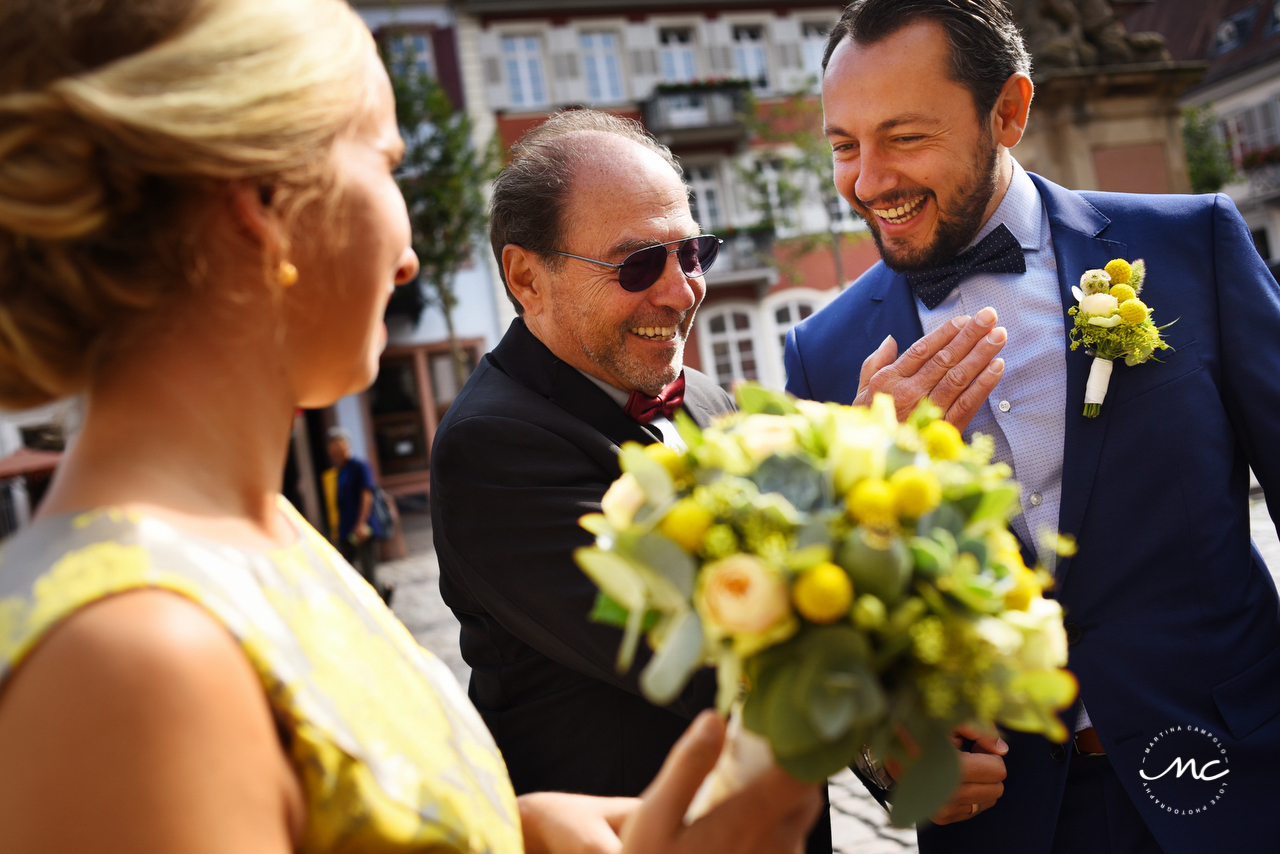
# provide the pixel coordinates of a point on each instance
(116, 118)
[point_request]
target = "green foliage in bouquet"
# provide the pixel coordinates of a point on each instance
(852, 579)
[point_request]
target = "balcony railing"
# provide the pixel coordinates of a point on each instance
(692, 114)
(746, 258)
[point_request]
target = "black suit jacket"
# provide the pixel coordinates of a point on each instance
(528, 447)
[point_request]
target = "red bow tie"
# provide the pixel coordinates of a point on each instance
(646, 407)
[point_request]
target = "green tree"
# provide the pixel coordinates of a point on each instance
(801, 169)
(442, 177)
(1208, 161)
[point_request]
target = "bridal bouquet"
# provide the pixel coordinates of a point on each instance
(1112, 323)
(852, 579)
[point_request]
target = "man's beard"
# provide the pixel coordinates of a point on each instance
(615, 356)
(956, 226)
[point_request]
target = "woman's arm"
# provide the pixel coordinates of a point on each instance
(138, 725)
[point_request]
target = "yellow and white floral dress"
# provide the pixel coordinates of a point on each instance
(391, 755)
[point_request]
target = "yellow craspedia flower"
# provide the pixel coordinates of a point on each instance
(1119, 271)
(823, 593)
(942, 440)
(1026, 588)
(673, 462)
(916, 491)
(871, 499)
(1133, 311)
(687, 523)
(1123, 292)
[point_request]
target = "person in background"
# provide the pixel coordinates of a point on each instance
(354, 528)
(199, 233)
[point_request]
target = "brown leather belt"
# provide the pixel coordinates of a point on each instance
(1087, 741)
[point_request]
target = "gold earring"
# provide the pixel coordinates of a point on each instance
(286, 275)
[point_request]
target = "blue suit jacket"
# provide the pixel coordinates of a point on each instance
(1177, 616)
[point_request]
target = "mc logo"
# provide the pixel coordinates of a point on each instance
(1199, 765)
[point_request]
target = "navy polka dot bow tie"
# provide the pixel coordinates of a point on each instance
(646, 407)
(998, 252)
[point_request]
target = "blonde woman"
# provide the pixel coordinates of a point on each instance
(199, 232)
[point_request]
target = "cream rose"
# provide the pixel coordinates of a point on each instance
(620, 503)
(1044, 641)
(1099, 305)
(742, 594)
(763, 435)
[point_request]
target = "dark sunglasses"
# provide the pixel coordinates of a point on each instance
(642, 268)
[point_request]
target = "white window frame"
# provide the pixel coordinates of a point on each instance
(699, 187)
(525, 68)
(678, 61)
(708, 339)
(424, 56)
(812, 47)
(775, 369)
(602, 65)
(750, 55)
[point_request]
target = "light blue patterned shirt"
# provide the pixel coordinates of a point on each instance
(1026, 413)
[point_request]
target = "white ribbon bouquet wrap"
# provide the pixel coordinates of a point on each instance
(851, 579)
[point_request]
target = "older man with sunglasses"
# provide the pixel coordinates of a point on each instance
(604, 264)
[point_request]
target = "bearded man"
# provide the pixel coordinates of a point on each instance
(1173, 619)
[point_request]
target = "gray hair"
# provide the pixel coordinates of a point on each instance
(531, 194)
(339, 433)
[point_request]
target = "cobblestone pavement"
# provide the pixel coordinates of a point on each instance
(858, 824)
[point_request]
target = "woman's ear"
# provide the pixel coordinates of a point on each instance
(255, 215)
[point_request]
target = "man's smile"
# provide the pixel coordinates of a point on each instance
(902, 213)
(655, 333)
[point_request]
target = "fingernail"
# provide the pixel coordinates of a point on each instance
(885, 342)
(1001, 747)
(986, 317)
(996, 366)
(960, 321)
(997, 335)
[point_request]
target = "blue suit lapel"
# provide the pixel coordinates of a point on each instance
(1075, 226)
(892, 311)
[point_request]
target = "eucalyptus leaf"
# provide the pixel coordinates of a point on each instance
(927, 782)
(795, 477)
(652, 475)
(818, 764)
(974, 546)
(946, 517)
(999, 503)
(882, 572)
(753, 398)
(613, 574)
(666, 674)
(610, 613)
(664, 556)
(930, 557)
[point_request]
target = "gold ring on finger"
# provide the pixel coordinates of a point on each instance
(973, 809)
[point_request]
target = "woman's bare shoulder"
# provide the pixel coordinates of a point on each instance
(139, 720)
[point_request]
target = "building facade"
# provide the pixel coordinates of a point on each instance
(1239, 41)
(707, 79)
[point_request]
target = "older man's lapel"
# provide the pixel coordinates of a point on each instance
(526, 359)
(1076, 227)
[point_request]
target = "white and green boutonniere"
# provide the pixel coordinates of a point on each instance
(1112, 322)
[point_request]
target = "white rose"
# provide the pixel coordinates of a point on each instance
(1099, 305)
(763, 435)
(1044, 642)
(743, 594)
(1095, 282)
(620, 503)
